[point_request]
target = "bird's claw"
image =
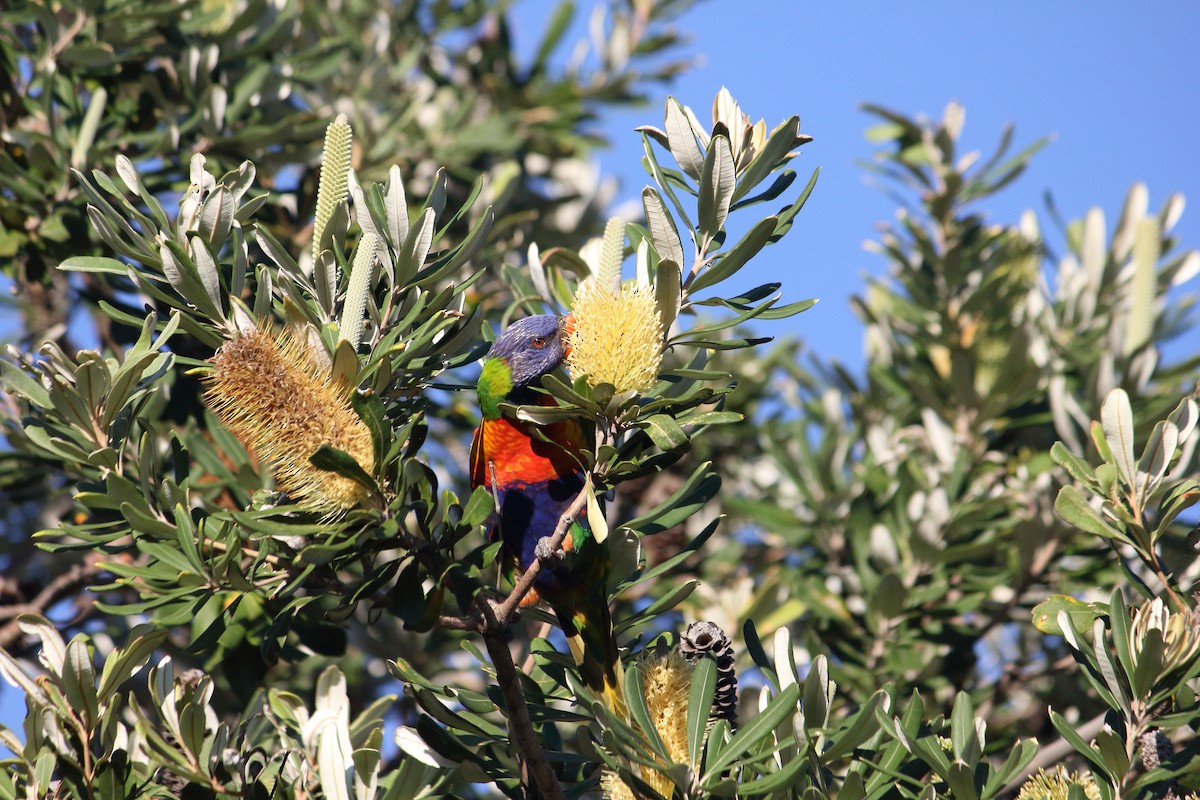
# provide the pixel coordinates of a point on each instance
(545, 554)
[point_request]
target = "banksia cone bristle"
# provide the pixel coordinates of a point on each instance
(271, 395)
(616, 337)
(707, 637)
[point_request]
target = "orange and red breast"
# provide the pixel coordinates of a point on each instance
(515, 455)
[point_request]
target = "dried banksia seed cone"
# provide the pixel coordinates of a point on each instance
(702, 638)
(270, 394)
(1157, 748)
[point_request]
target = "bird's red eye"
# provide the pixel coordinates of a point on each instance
(539, 342)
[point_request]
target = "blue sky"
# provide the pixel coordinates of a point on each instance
(1113, 83)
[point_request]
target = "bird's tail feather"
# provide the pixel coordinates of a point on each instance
(593, 644)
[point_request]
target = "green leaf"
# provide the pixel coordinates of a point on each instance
(665, 432)
(98, 264)
(1076, 467)
(331, 459)
(783, 138)
(754, 732)
(700, 700)
(682, 140)
(729, 263)
(1074, 509)
(1116, 420)
(661, 226)
(17, 381)
(716, 190)
(1045, 613)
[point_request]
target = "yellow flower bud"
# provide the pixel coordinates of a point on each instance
(279, 404)
(615, 337)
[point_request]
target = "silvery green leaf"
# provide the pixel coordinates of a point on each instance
(781, 141)
(700, 700)
(1137, 202)
(412, 744)
(263, 294)
(661, 226)
(88, 128)
(127, 173)
(818, 693)
(79, 679)
(1112, 751)
(785, 659)
(1116, 420)
(681, 139)
(396, 205)
(1156, 457)
(208, 271)
(325, 279)
(1139, 325)
(716, 189)
(595, 514)
(1074, 508)
(668, 293)
(736, 257)
(415, 248)
(103, 264)
(239, 181)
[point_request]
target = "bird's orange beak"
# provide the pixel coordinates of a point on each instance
(567, 325)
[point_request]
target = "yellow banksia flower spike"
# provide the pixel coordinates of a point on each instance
(666, 685)
(334, 183)
(1056, 785)
(615, 336)
(275, 399)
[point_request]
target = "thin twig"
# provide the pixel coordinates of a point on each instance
(533, 756)
(59, 588)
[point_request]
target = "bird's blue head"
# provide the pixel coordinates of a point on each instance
(525, 351)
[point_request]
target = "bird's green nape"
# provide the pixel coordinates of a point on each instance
(495, 382)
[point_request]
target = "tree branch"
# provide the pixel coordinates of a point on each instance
(518, 713)
(63, 586)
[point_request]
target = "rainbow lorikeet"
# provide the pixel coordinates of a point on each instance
(535, 479)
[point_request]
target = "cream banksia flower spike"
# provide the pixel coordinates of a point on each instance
(334, 183)
(274, 398)
(666, 685)
(616, 335)
(1056, 785)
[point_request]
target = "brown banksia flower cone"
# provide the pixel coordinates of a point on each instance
(281, 405)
